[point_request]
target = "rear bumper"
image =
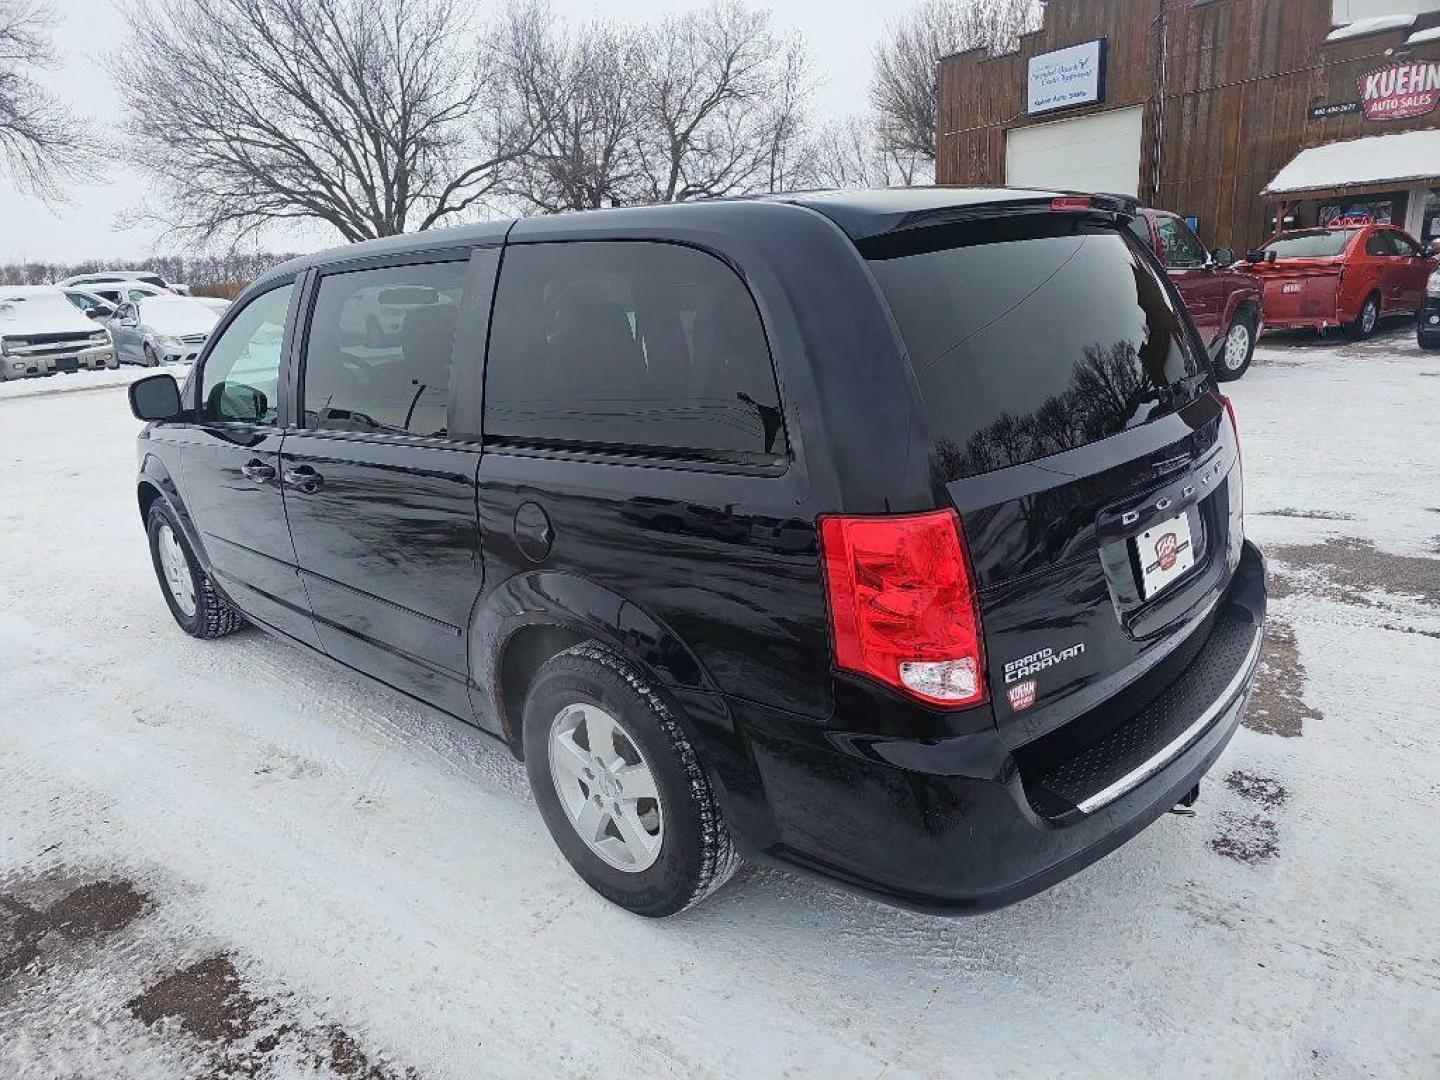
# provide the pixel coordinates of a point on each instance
(1308, 322)
(961, 825)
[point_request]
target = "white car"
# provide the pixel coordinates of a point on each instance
(158, 330)
(42, 332)
(116, 293)
(85, 281)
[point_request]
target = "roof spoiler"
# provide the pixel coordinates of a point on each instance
(1083, 202)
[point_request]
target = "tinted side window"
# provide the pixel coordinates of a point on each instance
(1379, 243)
(1404, 246)
(1141, 228)
(380, 349)
(1183, 249)
(241, 378)
(629, 345)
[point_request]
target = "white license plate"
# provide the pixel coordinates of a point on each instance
(1290, 287)
(1165, 552)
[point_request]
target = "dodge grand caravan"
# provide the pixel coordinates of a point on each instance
(895, 536)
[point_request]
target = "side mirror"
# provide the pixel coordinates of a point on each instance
(155, 397)
(236, 402)
(1223, 257)
(1434, 249)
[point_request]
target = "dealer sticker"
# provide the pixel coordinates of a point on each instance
(1022, 696)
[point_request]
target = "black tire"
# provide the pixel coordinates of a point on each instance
(1427, 339)
(213, 616)
(150, 358)
(1224, 372)
(1365, 323)
(696, 854)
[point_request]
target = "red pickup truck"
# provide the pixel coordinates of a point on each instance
(1347, 275)
(1223, 298)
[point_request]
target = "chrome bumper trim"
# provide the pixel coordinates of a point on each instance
(1171, 750)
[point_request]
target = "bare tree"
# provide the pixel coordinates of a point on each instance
(701, 104)
(905, 92)
(41, 140)
(578, 91)
(848, 153)
(722, 101)
(372, 116)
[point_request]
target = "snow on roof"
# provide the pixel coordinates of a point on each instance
(1376, 159)
(1374, 25)
(1422, 36)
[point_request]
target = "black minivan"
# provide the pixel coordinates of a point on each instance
(892, 535)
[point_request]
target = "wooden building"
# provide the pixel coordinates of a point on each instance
(1234, 113)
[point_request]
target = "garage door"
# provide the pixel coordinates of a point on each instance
(1100, 152)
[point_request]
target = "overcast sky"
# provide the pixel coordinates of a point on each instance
(839, 34)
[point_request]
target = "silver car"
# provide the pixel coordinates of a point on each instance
(88, 281)
(158, 330)
(42, 332)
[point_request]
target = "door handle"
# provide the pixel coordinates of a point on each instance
(258, 471)
(304, 479)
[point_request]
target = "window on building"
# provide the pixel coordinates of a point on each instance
(1183, 249)
(631, 345)
(380, 349)
(1430, 230)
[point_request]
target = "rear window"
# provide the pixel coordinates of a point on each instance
(1315, 245)
(1032, 337)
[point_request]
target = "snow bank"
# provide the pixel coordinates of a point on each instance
(105, 379)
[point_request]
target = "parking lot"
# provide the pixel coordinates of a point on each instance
(229, 859)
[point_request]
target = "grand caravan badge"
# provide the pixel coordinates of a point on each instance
(1039, 661)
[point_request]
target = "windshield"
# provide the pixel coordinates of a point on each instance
(1321, 244)
(1031, 337)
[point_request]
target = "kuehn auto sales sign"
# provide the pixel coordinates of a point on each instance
(1401, 91)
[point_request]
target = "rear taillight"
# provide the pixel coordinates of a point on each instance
(1234, 426)
(903, 607)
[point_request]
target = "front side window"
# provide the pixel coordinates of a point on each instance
(1404, 246)
(241, 379)
(1183, 249)
(629, 345)
(380, 349)
(1379, 244)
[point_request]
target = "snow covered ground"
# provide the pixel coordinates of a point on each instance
(228, 859)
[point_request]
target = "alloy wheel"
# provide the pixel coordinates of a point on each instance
(1237, 346)
(606, 787)
(177, 570)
